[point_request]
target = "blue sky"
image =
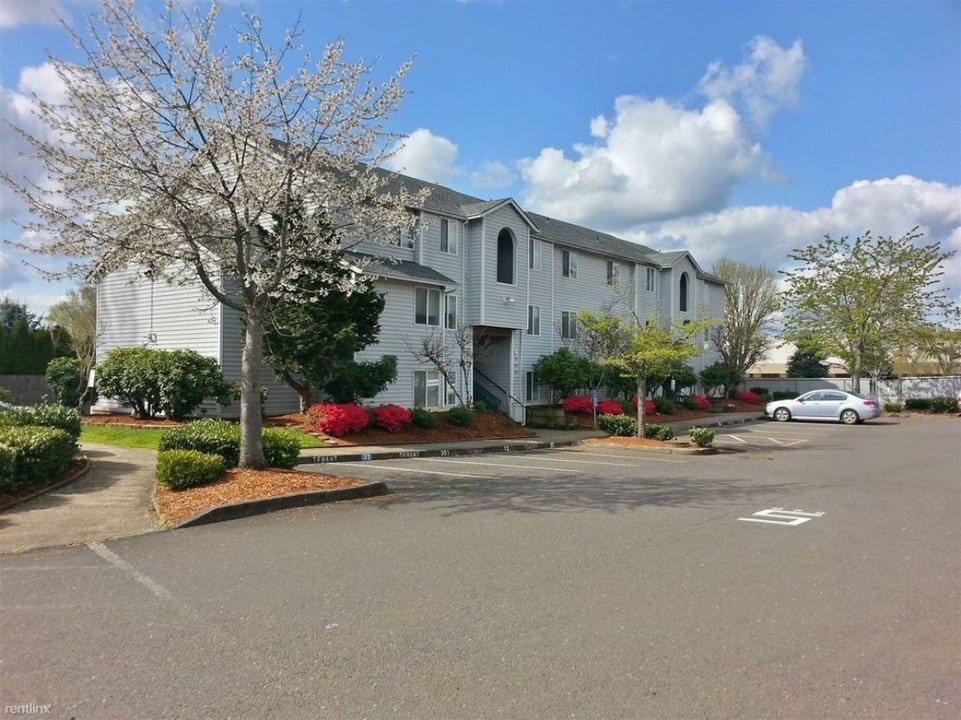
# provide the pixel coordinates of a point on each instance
(732, 129)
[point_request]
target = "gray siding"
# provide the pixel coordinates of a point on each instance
(504, 304)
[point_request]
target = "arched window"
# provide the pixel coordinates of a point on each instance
(683, 294)
(505, 257)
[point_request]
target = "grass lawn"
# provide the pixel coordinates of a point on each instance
(149, 438)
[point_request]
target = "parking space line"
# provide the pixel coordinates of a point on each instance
(415, 470)
(497, 465)
(607, 455)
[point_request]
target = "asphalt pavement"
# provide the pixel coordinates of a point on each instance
(112, 499)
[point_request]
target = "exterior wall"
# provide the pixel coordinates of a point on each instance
(895, 390)
(132, 311)
(503, 304)
(473, 273)
(399, 334)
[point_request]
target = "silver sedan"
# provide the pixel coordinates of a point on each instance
(837, 405)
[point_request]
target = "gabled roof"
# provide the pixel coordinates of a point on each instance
(477, 210)
(669, 259)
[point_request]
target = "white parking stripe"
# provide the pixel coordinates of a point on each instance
(415, 470)
(497, 465)
(607, 455)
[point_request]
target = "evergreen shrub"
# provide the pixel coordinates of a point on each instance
(460, 416)
(181, 469)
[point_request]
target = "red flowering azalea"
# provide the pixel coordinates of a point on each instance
(339, 420)
(702, 401)
(392, 418)
(579, 405)
(649, 408)
(609, 407)
(749, 397)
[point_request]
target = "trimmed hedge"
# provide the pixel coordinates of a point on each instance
(701, 436)
(654, 431)
(943, 404)
(53, 416)
(619, 425)
(222, 438)
(424, 419)
(664, 405)
(31, 454)
(181, 469)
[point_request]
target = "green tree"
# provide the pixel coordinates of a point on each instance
(860, 300)
(640, 350)
(11, 312)
(807, 361)
(563, 371)
(313, 333)
(720, 376)
(751, 299)
(64, 380)
(200, 141)
(77, 314)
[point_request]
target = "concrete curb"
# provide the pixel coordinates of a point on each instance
(452, 451)
(235, 511)
(51, 488)
(660, 450)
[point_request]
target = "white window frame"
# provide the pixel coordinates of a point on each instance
(431, 382)
(533, 319)
(568, 325)
(532, 391)
(534, 254)
(651, 280)
(428, 294)
(613, 272)
(448, 236)
(569, 264)
(450, 312)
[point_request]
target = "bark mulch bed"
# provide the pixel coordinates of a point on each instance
(236, 486)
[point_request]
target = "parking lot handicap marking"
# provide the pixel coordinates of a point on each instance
(780, 516)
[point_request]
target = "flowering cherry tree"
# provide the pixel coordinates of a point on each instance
(179, 154)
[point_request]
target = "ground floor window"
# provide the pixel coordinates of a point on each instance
(532, 390)
(426, 388)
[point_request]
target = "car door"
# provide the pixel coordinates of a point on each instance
(830, 405)
(806, 406)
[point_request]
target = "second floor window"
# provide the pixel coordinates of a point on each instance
(651, 279)
(426, 306)
(533, 320)
(568, 264)
(568, 326)
(448, 236)
(612, 272)
(505, 257)
(534, 254)
(450, 321)
(682, 299)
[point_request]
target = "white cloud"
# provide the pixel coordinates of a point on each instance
(657, 160)
(767, 234)
(10, 274)
(17, 109)
(14, 13)
(425, 156)
(768, 80)
(492, 175)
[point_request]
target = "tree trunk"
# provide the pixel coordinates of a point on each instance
(251, 421)
(641, 396)
(301, 388)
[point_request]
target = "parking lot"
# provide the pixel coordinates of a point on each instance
(805, 571)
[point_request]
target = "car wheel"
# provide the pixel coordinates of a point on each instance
(849, 417)
(782, 414)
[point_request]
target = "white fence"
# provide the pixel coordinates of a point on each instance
(896, 390)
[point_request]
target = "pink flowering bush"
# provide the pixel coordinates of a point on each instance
(702, 402)
(749, 397)
(392, 418)
(649, 407)
(609, 407)
(579, 405)
(338, 420)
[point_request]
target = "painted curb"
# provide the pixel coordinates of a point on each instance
(220, 513)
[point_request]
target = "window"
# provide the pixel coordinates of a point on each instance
(450, 315)
(451, 395)
(532, 389)
(505, 257)
(534, 254)
(683, 293)
(426, 306)
(426, 388)
(612, 272)
(448, 236)
(404, 237)
(568, 264)
(651, 279)
(533, 320)
(568, 326)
